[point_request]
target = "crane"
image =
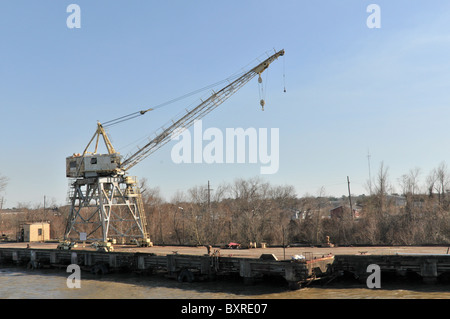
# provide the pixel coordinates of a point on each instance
(105, 201)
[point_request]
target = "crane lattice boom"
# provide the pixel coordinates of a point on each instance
(197, 113)
(107, 204)
(83, 165)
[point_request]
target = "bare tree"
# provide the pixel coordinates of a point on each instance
(410, 182)
(154, 210)
(410, 188)
(3, 182)
(178, 204)
(381, 188)
(430, 182)
(442, 180)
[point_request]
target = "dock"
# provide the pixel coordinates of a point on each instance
(184, 268)
(188, 264)
(429, 268)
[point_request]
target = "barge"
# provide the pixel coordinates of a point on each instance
(297, 272)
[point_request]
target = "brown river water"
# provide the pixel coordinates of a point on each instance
(18, 283)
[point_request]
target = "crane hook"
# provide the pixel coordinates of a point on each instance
(261, 93)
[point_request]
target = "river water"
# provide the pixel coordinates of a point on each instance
(18, 283)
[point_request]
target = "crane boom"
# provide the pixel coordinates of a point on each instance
(91, 164)
(107, 204)
(196, 113)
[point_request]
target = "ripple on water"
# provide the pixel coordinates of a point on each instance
(23, 284)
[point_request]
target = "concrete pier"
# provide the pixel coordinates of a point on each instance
(180, 267)
(194, 264)
(429, 267)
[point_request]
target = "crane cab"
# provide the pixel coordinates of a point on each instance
(93, 165)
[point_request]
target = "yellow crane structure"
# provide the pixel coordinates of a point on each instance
(106, 203)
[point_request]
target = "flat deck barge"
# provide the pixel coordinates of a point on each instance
(193, 263)
(183, 267)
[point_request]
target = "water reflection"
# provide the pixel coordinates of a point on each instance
(23, 284)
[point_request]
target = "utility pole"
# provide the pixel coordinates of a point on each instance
(370, 177)
(209, 197)
(350, 196)
(284, 245)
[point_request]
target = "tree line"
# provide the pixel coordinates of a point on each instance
(253, 210)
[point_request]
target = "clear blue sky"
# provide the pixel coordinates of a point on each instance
(350, 89)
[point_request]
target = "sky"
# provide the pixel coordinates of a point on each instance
(351, 90)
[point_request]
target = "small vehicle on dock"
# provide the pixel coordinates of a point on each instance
(103, 246)
(66, 245)
(142, 242)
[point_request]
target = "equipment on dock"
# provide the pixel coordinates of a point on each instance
(142, 242)
(107, 203)
(103, 246)
(66, 245)
(233, 245)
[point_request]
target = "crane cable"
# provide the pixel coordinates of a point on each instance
(262, 90)
(140, 113)
(229, 79)
(284, 73)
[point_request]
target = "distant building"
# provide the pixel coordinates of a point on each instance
(338, 212)
(296, 214)
(31, 232)
(397, 200)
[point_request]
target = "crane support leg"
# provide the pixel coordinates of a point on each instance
(105, 208)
